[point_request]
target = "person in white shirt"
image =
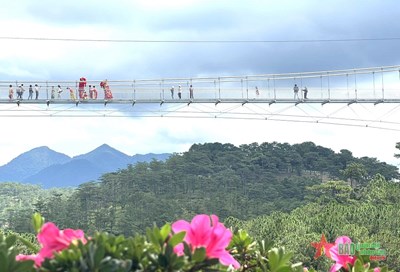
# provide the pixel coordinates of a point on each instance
(36, 91)
(20, 91)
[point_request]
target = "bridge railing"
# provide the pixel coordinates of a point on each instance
(366, 83)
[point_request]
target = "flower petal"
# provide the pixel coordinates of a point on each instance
(227, 259)
(335, 267)
(181, 225)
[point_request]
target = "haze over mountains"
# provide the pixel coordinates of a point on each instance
(49, 168)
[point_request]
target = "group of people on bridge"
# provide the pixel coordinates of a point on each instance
(56, 93)
(191, 96)
(296, 89)
(20, 92)
(92, 94)
(296, 92)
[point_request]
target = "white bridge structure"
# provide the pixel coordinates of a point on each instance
(261, 97)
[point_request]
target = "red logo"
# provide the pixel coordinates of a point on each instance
(322, 247)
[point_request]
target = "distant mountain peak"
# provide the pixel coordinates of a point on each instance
(105, 147)
(31, 162)
(39, 151)
(40, 147)
(46, 166)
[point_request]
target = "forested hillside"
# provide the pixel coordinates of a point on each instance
(243, 182)
(368, 215)
(18, 202)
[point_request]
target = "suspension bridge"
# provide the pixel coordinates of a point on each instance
(362, 97)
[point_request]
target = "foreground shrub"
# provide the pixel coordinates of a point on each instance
(204, 244)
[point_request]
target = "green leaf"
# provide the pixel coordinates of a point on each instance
(211, 262)
(162, 260)
(23, 266)
(297, 267)
(264, 246)
(10, 240)
(358, 267)
(155, 236)
(199, 255)
(384, 269)
(177, 238)
(279, 261)
(186, 249)
(37, 222)
(165, 231)
(3, 262)
(99, 255)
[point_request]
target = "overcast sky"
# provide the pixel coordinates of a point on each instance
(178, 20)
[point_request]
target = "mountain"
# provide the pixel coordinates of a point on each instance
(52, 169)
(30, 162)
(106, 158)
(70, 174)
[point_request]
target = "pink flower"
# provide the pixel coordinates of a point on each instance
(52, 240)
(36, 258)
(213, 236)
(377, 269)
(341, 260)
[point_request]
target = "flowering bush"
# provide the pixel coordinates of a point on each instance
(347, 262)
(52, 240)
(204, 244)
(212, 236)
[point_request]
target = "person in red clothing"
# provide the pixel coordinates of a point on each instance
(90, 92)
(82, 85)
(94, 91)
(107, 92)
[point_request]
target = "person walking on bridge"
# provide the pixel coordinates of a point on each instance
(90, 92)
(71, 94)
(30, 96)
(296, 91)
(191, 92)
(20, 91)
(36, 91)
(305, 90)
(11, 93)
(53, 93)
(82, 85)
(179, 91)
(94, 92)
(59, 91)
(107, 91)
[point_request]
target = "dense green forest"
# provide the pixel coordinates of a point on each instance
(243, 182)
(290, 194)
(371, 214)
